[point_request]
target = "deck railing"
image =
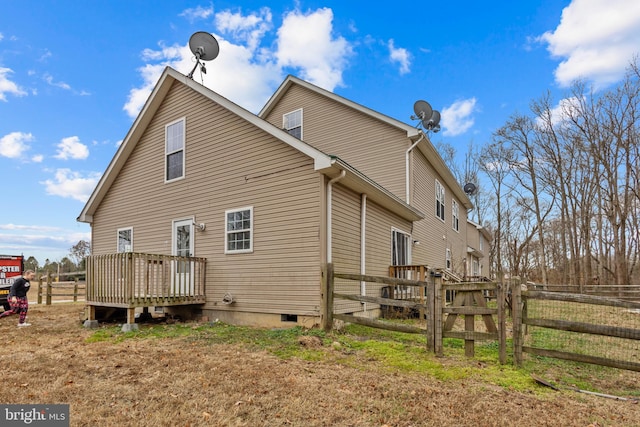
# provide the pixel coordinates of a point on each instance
(133, 279)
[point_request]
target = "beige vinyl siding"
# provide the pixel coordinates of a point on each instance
(345, 245)
(380, 222)
(435, 236)
(230, 164)
(374, 148)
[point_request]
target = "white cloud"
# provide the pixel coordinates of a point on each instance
(7, 86)
(401, 56)
(194, 14)
(249, 30)
(72, 148)
(39, 228)
(38, 158)
(458, 117)
(49, 79)
(597, 40)
(561, 111)
(70, 184)
(246, 71)
(306, 42)
(15, 144)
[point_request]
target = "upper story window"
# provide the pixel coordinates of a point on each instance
(174, 150)
(481, 238)
(292, 123)
(239, 230)
(125, 239)
(439, 200)
(455, 215)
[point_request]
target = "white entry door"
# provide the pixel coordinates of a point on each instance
(182, 279)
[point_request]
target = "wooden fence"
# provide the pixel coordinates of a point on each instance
(426, 299)
(594, 328)
(623, 292)
(48, 288)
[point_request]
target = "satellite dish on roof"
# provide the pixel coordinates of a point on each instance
(470, 188)
(205, 47)
(429, 118)
(422, 109)
(433, 123)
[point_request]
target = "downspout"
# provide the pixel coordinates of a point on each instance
(363, 247)
(329, 198)
(407, 165)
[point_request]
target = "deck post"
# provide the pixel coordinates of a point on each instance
(91, 322)
(131, 324)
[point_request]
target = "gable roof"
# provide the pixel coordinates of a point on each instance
(331, 166)
(425, 146)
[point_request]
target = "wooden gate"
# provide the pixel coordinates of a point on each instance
(469, 302)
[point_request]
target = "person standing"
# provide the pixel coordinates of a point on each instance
(18, 297)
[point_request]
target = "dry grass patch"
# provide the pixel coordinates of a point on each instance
(185, 381)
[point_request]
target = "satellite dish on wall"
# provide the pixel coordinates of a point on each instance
(429, 118)
(205, 47)
(470, 188)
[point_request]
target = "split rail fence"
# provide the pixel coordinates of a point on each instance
(576, 327)
(48, 288)
(426, 298)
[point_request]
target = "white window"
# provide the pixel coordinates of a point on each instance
(448, 260)
(239, 230)
(174, 150)
(400, 248)
(481, 238)
(455, 215)
(292, 123)
(439, 200)
(125, 239)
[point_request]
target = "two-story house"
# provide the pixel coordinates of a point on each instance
(234, 215)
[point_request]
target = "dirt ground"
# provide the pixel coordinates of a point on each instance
(179, 382)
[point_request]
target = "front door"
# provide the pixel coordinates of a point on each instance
(182, 279)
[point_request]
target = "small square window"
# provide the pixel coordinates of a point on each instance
(292, 123)
(125, 240)
(239, 230)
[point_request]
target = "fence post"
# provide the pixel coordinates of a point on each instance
(437, 314)
(326, 316)
(516, 316)
(502, 323)
(75, 289)
(430, 314)
(40, 290)
(48, 297)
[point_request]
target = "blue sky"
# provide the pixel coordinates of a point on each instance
(73, 76)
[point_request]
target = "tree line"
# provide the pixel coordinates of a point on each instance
(561, 188)
(74, 262)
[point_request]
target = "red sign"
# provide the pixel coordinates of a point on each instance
(10, 268)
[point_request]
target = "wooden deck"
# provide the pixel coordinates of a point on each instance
(130, 280)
